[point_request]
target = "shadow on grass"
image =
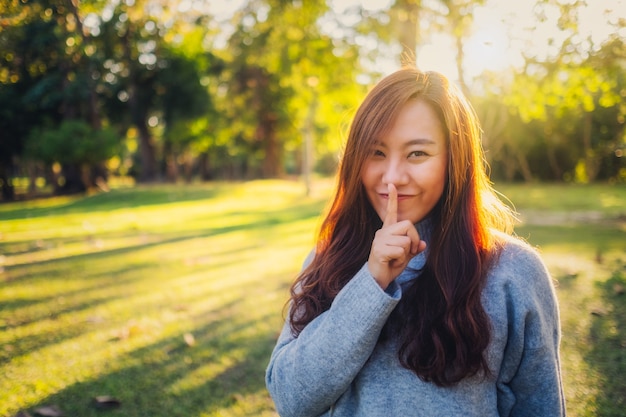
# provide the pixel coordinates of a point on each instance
(608, 350)
(171, 378)
(58, 308)
(259, 221)
(152, 380)
(99, 288)
(117, 199)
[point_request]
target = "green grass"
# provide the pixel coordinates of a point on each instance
(98, 293)
(580, 231)
(169, 298)
(609, 200)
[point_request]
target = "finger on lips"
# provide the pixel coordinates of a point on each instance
(391, 216)
(405, 228)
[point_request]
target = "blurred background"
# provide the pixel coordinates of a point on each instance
(173, 90)
(164, 165)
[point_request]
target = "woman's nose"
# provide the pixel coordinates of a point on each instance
(395, 173)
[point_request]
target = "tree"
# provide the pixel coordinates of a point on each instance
(41, 81)
(282, 75)
(560, 114)
(75, 145)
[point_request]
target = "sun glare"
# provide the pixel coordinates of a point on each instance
(503, 31)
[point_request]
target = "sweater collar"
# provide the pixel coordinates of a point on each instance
(424, 229)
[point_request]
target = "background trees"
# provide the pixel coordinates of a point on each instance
(170, 89)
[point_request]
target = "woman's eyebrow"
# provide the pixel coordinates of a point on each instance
(420, 141)
(412, 142)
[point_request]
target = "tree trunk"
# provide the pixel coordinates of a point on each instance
(188, 167)
(307, 148)
(407, 15)
(524, 167)
(171, 168)
(8, 191)
(74, 182)
(146, 147)
(510, 167)
(31, 168)
(265, 133)
(554, 164)
(272, 166)
(139, 117)
(494, 122)
(204, 165)
(460, 57)
(592, 162)
(169, 165)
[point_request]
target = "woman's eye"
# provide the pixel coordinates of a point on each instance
(416, 154)
(378, 153)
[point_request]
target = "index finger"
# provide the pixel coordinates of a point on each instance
(391, 216)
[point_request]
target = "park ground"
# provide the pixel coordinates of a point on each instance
(166, 300)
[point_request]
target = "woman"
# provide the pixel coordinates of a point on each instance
(417, 300)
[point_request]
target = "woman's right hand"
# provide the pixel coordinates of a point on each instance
(394, 245)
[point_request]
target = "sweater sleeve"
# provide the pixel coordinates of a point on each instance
(307, 374)
(530, 383)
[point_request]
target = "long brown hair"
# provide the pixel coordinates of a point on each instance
(440, 324)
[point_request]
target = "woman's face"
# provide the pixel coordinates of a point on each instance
(413, 156)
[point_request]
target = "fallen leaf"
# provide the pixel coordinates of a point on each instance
(49, 411)
(136, 328)
(199, 260)
(189, 339)
(95, 319)
(106, 402)
(599, 312)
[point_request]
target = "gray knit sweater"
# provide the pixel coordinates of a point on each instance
(337, 367)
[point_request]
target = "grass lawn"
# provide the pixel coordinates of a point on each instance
(169, 298)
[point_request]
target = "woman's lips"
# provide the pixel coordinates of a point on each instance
(400, 196)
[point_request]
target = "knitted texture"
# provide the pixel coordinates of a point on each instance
(338, 367)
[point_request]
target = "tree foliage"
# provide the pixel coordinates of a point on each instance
(564, 107)
(174, 89)
(73, 142)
